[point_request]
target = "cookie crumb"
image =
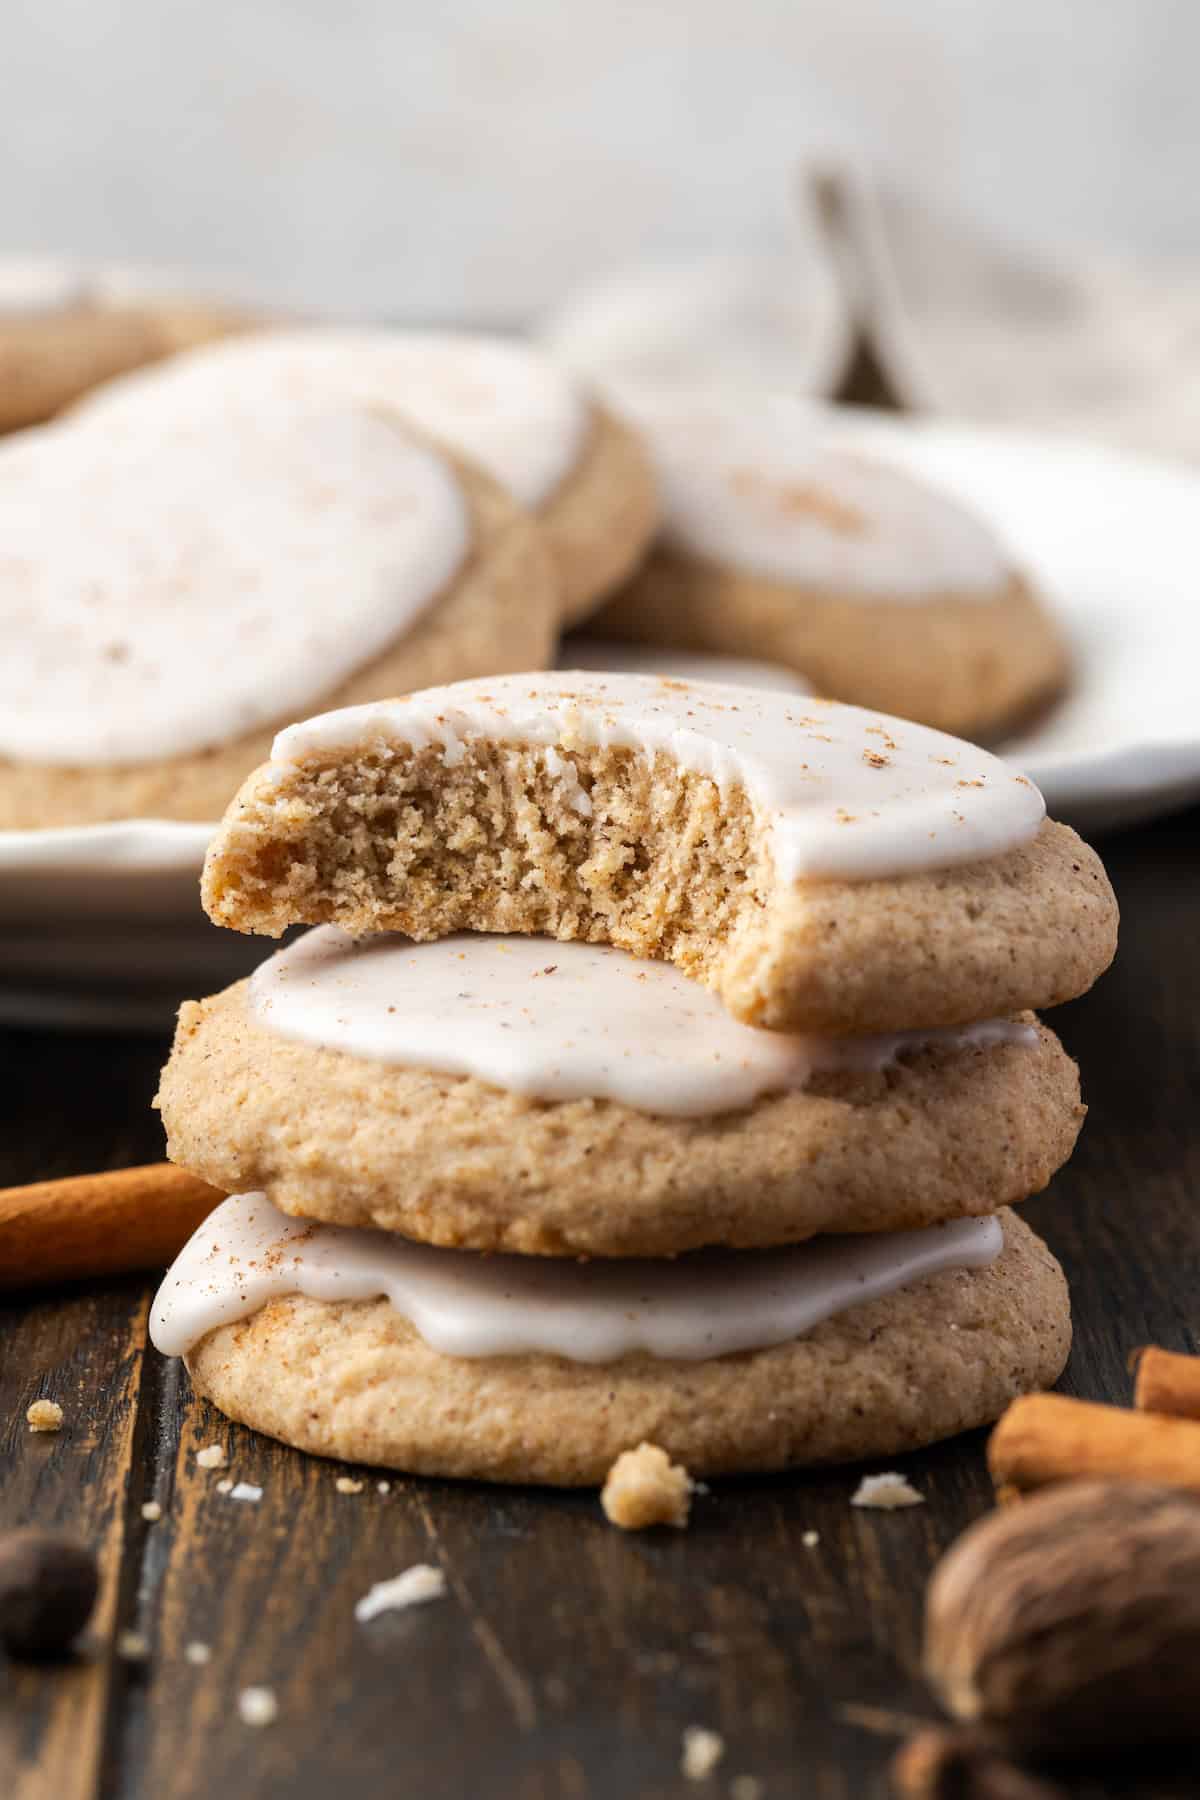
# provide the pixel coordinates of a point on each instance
(413, 1587)
(225, 1485)
(245, 1490)
(746, 1787)
(211, 1458)
(886, 1492)
(132, 1646)
(198, 1654)
(811, 1539)
(151, 1511)
(345, 1484)
(383, 1487)
(644, 1487)
(44, 1415)
(258, 1706)
(702, 1751)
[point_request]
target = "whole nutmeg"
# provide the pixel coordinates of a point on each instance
(48, 1586)
(1072, 1620)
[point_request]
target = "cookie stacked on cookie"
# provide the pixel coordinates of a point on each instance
(705, 1011)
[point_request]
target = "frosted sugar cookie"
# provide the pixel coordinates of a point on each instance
(782, 543)
(508, 1093)
(821, 867)
(500, 403)
(173, 588)
(519, 1369)
(64, 327)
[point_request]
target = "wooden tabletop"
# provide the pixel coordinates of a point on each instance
(566, 1659)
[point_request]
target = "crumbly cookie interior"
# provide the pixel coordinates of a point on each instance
(604, 845)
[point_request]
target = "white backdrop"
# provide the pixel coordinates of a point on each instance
(479, 156)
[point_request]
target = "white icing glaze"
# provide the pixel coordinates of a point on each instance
(703, 1305)
(685, 665)
(167, 585)
(846, 794)
(504, 405)
(556, 1021)
(762, 483)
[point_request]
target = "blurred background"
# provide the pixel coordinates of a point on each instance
(467, 159)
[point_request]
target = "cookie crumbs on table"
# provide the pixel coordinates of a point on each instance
(244, 1490)
(746, 1787)
(132, 1646)
(198, 1654)
(702, 1751)
(212, 1457)
(152, 1511)
(44, 1415)
(644, 1487)
(345, 1484)
(811, 1539)
(413, 1587)
(258, 1706)
(887, 1492)
(225, 1486)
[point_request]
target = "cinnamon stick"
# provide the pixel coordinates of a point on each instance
(1047, 1437)
(1165, 1382)
(107, 1224)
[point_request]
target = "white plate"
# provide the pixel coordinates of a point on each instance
(144, 869)
(1113, 541)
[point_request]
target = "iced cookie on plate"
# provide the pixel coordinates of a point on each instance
(64, 327)
(502, 404)
(820, 867)
(172, 589)
(780, 541)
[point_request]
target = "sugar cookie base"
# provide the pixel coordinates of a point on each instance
(51, 359)
(600, 521)
(353, 1380)
(454, 1162)
(966, 664)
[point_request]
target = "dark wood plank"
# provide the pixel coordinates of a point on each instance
(86, 1353)
(566, 1659)
(68, 1106)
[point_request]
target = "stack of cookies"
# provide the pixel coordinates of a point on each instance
(663, 1068)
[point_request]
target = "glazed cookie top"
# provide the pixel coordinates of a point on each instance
(821, 867)
(505, 406)
(844, 793)
(761, 483)
(705, 1305)
(168, 584)
(558, 1021)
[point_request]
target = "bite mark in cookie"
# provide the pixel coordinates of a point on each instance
(822, 868)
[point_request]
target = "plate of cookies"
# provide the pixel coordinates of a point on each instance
(302, 519)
